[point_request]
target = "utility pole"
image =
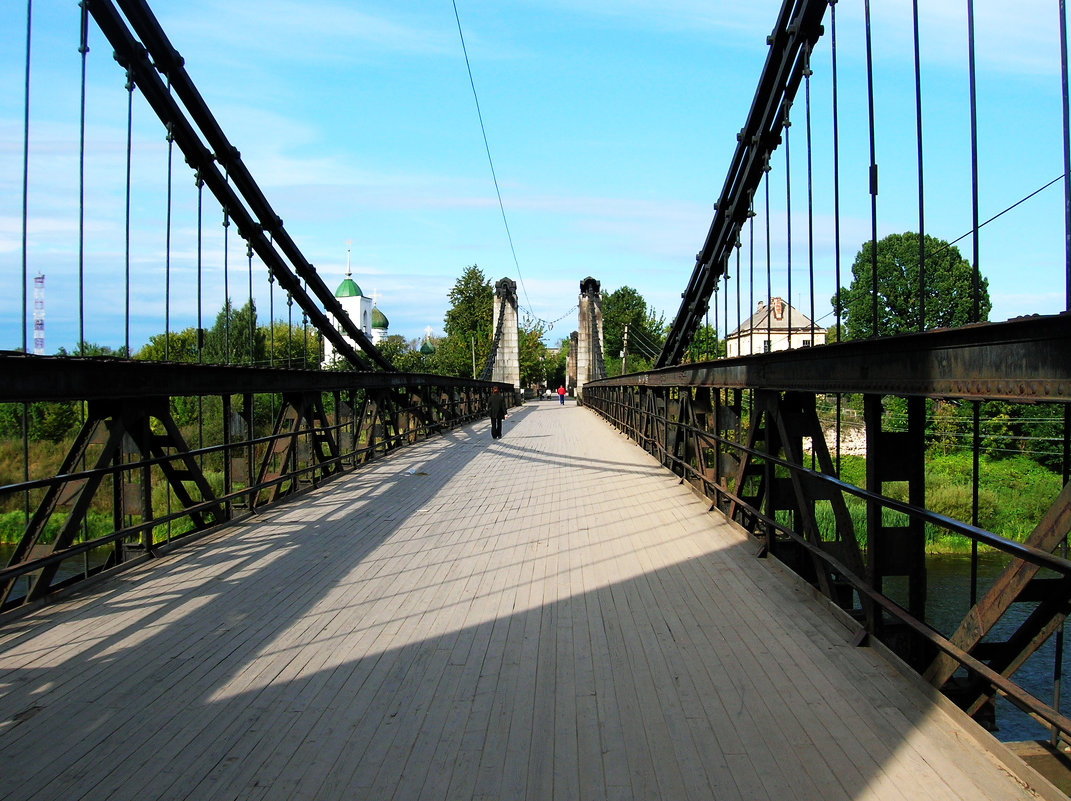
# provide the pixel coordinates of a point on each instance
(624, 350)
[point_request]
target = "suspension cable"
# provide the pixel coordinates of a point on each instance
(739, 289)
(167, 242)
(976, 406)
(1067, 157)
(769, 269)
(488, 364)
(873, 177)
(918, 139)
(836, 172)
(490, 161)
(788, 220)
(289, 329)
(26, 185)
(717, 286)
(975, 283)
(83, 48)
(126, 232)
(836, 198)
(725, 283)
(271, 320)
(226, 288)
(252, 316)
(751, 275)
(25, 276)
(200, 184)
(810, 187)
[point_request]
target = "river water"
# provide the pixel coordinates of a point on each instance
(947, 602)
(948, 595)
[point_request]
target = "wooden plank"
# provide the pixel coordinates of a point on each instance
(550, 615)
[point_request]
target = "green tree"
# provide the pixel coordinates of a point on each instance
(49, 421)
(178, 346)
(646, 330)
(295, 347)
(467, 324)
(949, 293)
(235, 337)
(393, 347)
(93, 349)
(533, 353)
(556, 369)
(705, 345)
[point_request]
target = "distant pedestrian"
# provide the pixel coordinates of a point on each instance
(496, 408)
(561, 395)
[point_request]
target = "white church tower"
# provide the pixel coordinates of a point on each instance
(357, 305)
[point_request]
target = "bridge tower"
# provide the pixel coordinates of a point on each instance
(570, 362)
(589, 361)
(506, 349)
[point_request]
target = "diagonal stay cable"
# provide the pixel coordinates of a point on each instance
(490, 161)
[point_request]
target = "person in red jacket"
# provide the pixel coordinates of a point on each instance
(561, 395)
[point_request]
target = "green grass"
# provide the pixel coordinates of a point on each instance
(1013, 495)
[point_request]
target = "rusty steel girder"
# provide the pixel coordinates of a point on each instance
(1019, 360)
(58, 378)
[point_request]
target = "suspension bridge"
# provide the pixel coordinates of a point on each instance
(334, 584)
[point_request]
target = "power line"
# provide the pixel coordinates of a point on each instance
(548, 323)
(487, 147)
(947, 245)
(642, 338)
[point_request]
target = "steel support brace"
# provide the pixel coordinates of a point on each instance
(1018, 583)
(896, 544)
(798, 27)
(110, 429)
(301, 420)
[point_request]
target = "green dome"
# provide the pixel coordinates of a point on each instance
(379, 319)
(427, 348)
(348, 289)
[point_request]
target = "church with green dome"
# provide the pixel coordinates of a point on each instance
(361, 309)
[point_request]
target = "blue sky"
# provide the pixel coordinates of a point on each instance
(611, 125)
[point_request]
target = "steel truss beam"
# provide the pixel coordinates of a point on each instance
(57, 378)
(1018, 583)
(1020, 360)
(130, 436)
(798, 27)
(119, 428)
(775, 488)
(219, 165)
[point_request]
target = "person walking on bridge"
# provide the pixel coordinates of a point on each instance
(496, 408)
(561, 395)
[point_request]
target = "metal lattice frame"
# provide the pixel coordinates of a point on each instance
(131, 443)
(690, 419)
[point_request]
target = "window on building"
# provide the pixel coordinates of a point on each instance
(766, 346)
(806, 343)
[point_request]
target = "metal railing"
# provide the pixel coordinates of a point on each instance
(746, 434)
(141, 476)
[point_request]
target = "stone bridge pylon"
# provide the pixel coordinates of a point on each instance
(587, 342)
(505, 348)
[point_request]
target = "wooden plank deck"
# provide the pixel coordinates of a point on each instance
(546, 616)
